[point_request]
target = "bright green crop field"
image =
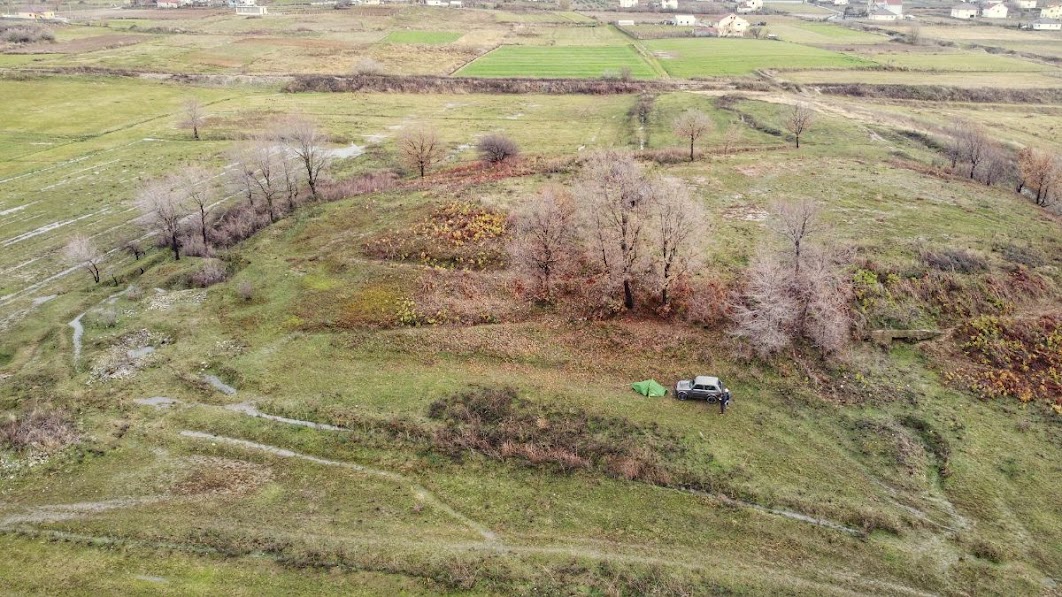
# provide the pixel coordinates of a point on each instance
(701, 57)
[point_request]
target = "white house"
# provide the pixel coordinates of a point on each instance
(684, 20)
(625, 23)
(994, 11)
(880, 14)
(749, 6)
(456, 4)
(628, 3)
(434, 2)
(251, 10)
(1026, 4)
(893, 6)
(1047, 25)
(669, 4)
(840, 2)
(963, 11)
(1051, 12)
(730, 26)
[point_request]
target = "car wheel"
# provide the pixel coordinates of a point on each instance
(682, 395)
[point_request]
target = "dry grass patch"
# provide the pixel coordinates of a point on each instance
(215, 475)
(459, 234)
(42, 429)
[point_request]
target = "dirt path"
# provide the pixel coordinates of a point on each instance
(79, 329)
(418, 490)
(61, 512)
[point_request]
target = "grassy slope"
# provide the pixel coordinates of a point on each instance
(780, 445)
(85, 157)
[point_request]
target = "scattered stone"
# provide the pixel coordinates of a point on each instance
(157, 401)
(219, 385)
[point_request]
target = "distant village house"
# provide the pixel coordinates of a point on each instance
(684, 20)
(963, 11)
(994, 11)
(1053, 11)
(669, 4)
(1047, 25)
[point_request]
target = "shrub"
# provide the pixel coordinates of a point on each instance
(211, 272)
(42, 429)
(25, 35)
(954, 260)
(497, 149)
(245, 290)
(369, 66)
(497, 423)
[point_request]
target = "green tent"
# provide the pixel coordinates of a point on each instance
(649, 388)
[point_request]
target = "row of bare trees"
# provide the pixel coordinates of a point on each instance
(971, 150)
(693, 125)
(272, 171)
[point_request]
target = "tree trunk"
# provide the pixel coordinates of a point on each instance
(691, 149)
(628, 295)
(1021, 187)
(175, 246)
(202, 225)
(95, 272)
(422, 169)
(798, 141)
(195, 132)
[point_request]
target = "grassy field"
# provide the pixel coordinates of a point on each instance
(422, 37)
(690, 58)
(805, 32)
(335, 451)
(781, 445)
(69, 162)
(957, 61)
(1016, 80)
(574, 61)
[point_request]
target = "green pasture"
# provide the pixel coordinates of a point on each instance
(564, 62)
(422, 37)
(704, 57)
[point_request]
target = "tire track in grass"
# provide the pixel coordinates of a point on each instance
(419, 491)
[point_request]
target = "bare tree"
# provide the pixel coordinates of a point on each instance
(194, 116)
(497, 148)
(691, 126)
(777, 305)
(765, 311)
(731, 136)
(824, 292)
(996, 165)
(133, 248)
(545, 238)
(81, 251)
(161, 211)
(796, 221)
(799, 120)
(678, 221)
(308, 143)
(1040, 172)
(421, 149)
(613, 198)
(953, 142)
(194, 183)
(975, 146)
(260, 171)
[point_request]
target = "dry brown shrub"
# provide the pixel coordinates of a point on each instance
(215, 475)
(42, 429)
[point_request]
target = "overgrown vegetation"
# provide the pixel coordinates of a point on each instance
(459, 234)
(496, 423)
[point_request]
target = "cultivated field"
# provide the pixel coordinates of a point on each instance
(572, 61)
(690, 58)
